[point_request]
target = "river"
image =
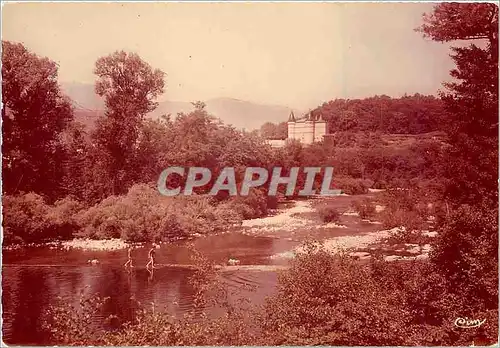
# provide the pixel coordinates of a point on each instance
(35, 277)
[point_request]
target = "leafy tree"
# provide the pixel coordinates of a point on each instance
(472, 99)
(328, 300)
(153, 141)
(407, 115)
(35, 113)
(129, 87)
(198, 139)
(271, 130)
(75, 166)
(467, 248)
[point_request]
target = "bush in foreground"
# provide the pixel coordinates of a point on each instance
(322, 299)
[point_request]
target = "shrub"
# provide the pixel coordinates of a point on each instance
(252, 206)
(365, 208)
(24, 218)
(325, 299)
(352, 186)
(466, 251)
(406, 208)
(272, 201)
(28, 219)
(144, 215)
(62, 218)
(401, 218)
(328, 213)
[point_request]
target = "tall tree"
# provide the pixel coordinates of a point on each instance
(467, 247)
(129, 87)
(34, 114)
(472, 99)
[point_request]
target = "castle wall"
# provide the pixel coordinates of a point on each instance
(320, 131)
(307, 132)
(291, 130)
(303, 131)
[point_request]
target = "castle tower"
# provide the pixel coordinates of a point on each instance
(308, 129)
(291, 126)
(320, 128)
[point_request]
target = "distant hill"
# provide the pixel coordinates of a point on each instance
(238, 113)
(248, 115)
(83, 95)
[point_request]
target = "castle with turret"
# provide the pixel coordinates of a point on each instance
(308, 129)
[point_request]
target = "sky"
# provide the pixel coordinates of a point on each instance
(293, 54)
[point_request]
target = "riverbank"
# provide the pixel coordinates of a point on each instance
(296, 223)
(77, 243)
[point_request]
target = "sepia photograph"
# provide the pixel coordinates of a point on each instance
(249, 173)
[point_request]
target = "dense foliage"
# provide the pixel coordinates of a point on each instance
(322, 299)
(34, 115)
(270, 130)
(408, 115)
(415, 114)
(467, 248)
(328, 213)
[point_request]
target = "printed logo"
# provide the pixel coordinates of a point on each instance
(465, 323)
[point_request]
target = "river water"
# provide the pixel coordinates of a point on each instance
(34, 278)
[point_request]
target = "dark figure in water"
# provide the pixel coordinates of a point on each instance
(151, 256)
(130, 262)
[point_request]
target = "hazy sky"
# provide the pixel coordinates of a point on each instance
(293, 54)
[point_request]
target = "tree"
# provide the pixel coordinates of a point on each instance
(471, 101)
(455, 21)
(76, 164)
(198, 139)
(129, 87)
(35, 113)
(270, 130)
(467, 248)
(407, 115)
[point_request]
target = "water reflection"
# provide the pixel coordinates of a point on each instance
(151, 272)
(28, 292)
(30, 300)
(33, 278)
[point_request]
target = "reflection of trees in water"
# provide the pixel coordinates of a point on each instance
(115, 284)
(187, 292)
(75, 281)
(28, 292)
(68, 282)
(33, 298)
(10, 298)
(168, 289)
